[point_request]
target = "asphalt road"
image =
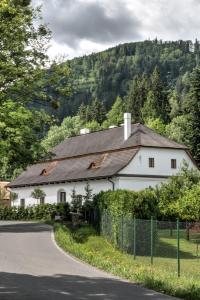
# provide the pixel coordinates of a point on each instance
(32, 267)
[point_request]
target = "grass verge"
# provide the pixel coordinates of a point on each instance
(95, 250)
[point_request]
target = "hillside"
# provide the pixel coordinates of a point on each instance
(107, 74)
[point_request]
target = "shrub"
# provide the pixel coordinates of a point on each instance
(82, 234)
(142, 204)
(168, 194)
(35, 212)
(64, 210)
(189, 205)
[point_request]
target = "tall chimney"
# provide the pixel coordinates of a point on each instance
(127, 125)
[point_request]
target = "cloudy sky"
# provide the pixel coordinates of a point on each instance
(84, 26)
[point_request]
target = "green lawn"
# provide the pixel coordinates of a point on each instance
(162, 276)
(166, 254)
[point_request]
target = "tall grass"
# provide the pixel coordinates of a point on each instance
(95, 250)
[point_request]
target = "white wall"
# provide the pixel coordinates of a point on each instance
(138, 183)
(162, 158)
(139, 165)
(52, 190)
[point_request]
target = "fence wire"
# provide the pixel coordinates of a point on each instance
(172, 246)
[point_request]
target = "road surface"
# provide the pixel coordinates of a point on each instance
(33, 267)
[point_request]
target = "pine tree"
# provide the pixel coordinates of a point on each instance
(76, 201)
(115, 115)
(160, 95)
(96, 111)
(149, 110)
(137, 94)
(82, 113)
(193, 108)
(87, 199)
(175, 105)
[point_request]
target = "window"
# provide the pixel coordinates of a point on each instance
(98, 162)
(42, 200)
(62, 197)
(151, 162)
(22, 202)
(173, 163)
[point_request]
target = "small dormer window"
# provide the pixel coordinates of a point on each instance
(44, 172)
(173, 163)
(98, 162)
(49, 168)
(151, 162)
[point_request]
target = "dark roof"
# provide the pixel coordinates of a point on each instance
(112, 139)
(91, 156)
(78, 168)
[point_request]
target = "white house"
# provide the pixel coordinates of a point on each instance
(131, 157)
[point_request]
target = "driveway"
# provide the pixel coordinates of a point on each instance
(32, 267)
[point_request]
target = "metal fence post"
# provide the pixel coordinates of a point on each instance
(152, 240)
(122, 233)
(178, 248)
(134, 236)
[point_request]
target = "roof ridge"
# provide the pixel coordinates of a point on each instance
(89, 154)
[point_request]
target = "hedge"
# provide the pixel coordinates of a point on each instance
(142, 204)
(35, 212)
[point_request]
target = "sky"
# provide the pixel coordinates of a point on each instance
(81, 27)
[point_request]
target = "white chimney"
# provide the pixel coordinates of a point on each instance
(127, 125)
(84, 131)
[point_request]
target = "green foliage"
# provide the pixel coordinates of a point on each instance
(193, 108)
(96, 251)
(63, 209)
(93, 112)
(148, 111)
(110, 73)
(157, 125)
(115, 115)
(56, 134)
(38, 212)
(76, 201)
(179, 129)
(170, 193)
(35, 212)
(162, 202)
(38, 194)
(156, 104)
(13, 196)
(93, 126)
(87, 204)
(25, 84)
(19, 137)
(136, 97)
(175, 104)
(189, 204)
(128, 203)
(23, 47)
(82, 234)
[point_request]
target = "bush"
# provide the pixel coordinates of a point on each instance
(142, 204)
(168, 194)
(189, 205)
(35, 212)
(82, 234)
(161, 202)
(64, 210)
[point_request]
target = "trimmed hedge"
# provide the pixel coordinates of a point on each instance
(177, 198)
(142, 205)
(35, 212)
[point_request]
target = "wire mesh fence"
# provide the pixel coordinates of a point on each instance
(173, 246)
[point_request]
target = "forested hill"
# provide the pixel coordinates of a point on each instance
(107, 74)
